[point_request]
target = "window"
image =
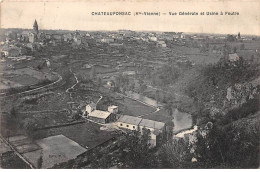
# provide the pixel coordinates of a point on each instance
(127, 125)
(121, 124)
(133, 127)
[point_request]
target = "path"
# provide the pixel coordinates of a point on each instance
(77, 81)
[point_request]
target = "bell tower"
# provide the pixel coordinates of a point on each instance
(35, 27)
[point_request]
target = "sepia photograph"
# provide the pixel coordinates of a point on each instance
(129, 84)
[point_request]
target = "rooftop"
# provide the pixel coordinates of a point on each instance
(113, 106)
(99, 114)
(55, 150)
(129, 119)
(142, 122)
(152, 124)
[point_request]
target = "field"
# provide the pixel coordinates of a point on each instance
(45, 119)
(134, 108)
(24, 77)
(86, 134)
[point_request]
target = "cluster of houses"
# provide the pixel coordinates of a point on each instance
(34, 40)
(126, 122)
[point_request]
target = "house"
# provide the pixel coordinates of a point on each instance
(161, 44)
(5, 54)
(91, 107)
(133, 123)
(32, 37)
(67, 37)
(107, 40)
(47, 36)
(31, 46)
(128, 122)
(156, 128)
(77, 40)
(24, 36)
(233, 57)
(129, 73)
(102, 116)
(14, 51)
(113, 109)
(153, 39)
(183, 36)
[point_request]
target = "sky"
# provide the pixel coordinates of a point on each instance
(76, 15)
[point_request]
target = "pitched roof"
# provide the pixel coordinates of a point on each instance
(141, 122)
(99, 114)
(130, 119)
(152, 124)
(35, 23)
(113, 106)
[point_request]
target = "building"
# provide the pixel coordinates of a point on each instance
(68, 37)
(128, 122)
(133, 123)
(91, 107)
(24, 36)
(233, 57)
(153, 39)
(102, 116)
(12, 51)
(161, 44)
(155, 127)
(32, 37)
(35, 27)
(113, 109)
(107, 40)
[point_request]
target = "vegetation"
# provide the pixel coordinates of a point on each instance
(165, 75)
(215, 79)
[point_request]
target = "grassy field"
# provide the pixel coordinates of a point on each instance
(25, 79)
(134, 108)
(86, 134)
(45, 119)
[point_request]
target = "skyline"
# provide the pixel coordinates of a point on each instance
(68, 15)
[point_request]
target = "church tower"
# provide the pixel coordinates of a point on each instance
(35, 27)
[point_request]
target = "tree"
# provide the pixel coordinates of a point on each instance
(135, 151)
(39, 162)
(231, 38)
(157, 95)
(169, 108)
(143, 87)
(93, 72)
(234, 49)
(30, 126)
(175, 154)
(99, 82)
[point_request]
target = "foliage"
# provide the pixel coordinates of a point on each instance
(232, 148)
(39, 162)
(135, 151)
(248, 108)
(174, 154)
(215, 79)
(165, 75)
